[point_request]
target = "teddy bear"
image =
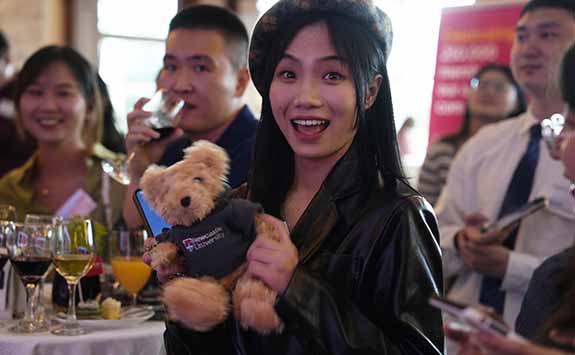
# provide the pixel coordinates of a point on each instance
(207, 243)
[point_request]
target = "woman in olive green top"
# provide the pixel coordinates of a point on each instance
(59, 106)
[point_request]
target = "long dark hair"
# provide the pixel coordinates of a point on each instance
(111, 138)
(273, 165)
(563, 317)
(464, 132)
(85, 77)
(568, 77)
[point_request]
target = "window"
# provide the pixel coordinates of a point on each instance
(131, 48)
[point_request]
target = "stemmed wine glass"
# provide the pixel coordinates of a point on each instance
(74, 254)
(165, 108)
(40, 311)
(30, 250)
(126, 250)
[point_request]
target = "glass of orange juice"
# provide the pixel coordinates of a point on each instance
(126, 250)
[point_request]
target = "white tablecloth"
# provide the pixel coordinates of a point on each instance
(142, 339)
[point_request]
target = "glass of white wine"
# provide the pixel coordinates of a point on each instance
(74, 254)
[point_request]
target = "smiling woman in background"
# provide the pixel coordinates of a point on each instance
(493, 96)
(58, 106)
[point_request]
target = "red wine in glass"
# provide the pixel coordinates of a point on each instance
(31, 269)
(164, 132)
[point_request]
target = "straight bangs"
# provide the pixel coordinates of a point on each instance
(364, 57)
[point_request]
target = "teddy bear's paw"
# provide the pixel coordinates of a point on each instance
(164, 254)
(254, 306)
(200, 304)
(259, 316)
(265, 228)
(149, 244)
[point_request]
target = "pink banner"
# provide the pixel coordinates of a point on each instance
(469, 37)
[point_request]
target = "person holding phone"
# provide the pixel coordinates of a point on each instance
(547, 315)
(486, 343)
(504, 166)
(359, 258)
(548, 304)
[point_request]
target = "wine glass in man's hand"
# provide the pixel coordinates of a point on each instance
(164, 107)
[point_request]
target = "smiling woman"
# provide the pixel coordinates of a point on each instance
(53, 110)
(58, 106)
(355, 267)
(313, 97)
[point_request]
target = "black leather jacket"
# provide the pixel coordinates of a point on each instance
(369, 261)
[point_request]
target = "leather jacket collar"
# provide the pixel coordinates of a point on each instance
(337, 201)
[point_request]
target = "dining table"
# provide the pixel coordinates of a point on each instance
(144, 338)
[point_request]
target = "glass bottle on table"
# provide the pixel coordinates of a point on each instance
(74, 254)
(7, 219)
(165, 107)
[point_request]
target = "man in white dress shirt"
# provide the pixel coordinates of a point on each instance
(483, 169)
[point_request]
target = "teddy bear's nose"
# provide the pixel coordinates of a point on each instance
(186, 201)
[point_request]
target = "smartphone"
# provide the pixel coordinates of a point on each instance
(154, 224)
(470, 317)
(516, 216)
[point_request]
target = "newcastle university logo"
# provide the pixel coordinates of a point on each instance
(203, 241)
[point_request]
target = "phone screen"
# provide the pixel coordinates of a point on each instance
(470, 316)
(154, 223)
(516, 216)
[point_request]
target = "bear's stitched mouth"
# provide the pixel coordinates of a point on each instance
(185, 202)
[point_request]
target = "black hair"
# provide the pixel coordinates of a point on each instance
(111, 138)
(568, 77)
(376, 140)
(208, 17)
(83, 73)
(563, 316)
(4, 44)
(463, 133)
(567, 5)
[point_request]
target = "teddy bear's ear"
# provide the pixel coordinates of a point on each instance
(210, 154)
(152, 183)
